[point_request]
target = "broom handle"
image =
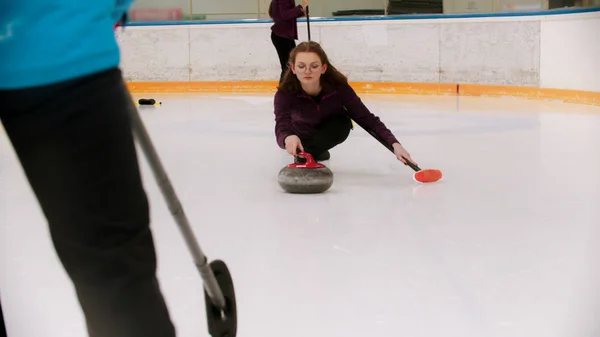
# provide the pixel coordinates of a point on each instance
(200, 260)
(388, 146)
(308, 22)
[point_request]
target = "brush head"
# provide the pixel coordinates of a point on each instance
(222, 323)
(427, 175)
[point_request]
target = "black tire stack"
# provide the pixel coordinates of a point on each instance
(359, 12)
(396, 7)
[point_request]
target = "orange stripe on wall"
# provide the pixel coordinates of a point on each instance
(570, 96)
(203, 87)
(404, 88)
(271, 87)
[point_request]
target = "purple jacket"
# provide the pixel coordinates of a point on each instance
(285, 13)
(299, 114)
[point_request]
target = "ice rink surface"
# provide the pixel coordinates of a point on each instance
(506, 245)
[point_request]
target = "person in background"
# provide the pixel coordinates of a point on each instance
(66, 113)
(314, 106)
(284, 31)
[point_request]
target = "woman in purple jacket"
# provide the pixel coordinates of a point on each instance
(314, 104)
(284, 31)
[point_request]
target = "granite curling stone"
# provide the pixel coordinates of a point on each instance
(305, 178)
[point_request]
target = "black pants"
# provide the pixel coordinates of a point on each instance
(330, 133)
(75, 144)
(284, 47)
(3, 332)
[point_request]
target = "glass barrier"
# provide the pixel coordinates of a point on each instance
(201, 10)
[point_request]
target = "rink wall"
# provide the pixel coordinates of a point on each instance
(551, 54)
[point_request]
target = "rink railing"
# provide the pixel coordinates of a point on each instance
(551, 12)
(543, 55)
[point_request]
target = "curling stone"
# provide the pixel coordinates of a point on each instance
(305, 178)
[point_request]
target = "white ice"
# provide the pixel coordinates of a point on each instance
(506, 245)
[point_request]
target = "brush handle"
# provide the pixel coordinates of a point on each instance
(412, 166)
(388, 146)
(308, 22)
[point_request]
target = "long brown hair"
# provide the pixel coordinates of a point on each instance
(271, 9)
(329, 80)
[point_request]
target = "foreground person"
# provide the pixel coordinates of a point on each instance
(64, 109)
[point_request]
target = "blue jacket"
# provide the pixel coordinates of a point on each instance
(48, 41)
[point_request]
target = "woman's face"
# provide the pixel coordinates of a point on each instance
(308, 67)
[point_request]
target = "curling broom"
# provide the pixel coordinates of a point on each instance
(420, 175)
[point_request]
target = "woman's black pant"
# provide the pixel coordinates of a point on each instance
(329, 134)
(284, 47)
(75, 144)
(3, 332)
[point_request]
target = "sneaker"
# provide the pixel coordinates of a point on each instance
(323, 156)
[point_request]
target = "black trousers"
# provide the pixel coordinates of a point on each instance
(330, 133)
(3, 332)
(75, 144)
(284, 47)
